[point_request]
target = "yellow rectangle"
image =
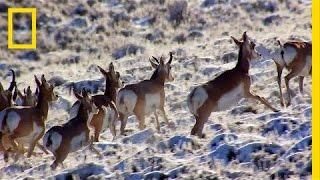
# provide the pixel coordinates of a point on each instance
(33, 44)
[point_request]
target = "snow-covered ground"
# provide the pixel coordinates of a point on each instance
(248, 141)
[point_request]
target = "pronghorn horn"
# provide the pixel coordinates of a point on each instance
(13, 82)
(244, 36)
(24, 91)
(111, 67)
(161, 60)
(171, 57)
(43, 79)
(155, 59)
(1, 87)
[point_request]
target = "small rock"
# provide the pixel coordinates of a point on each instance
(80, 10)
(195, 34)
(272, 19)
(79, 23)
(181, 38)
(91, 2)
(155, 36)
(57, 81)
(29, 55)
(177, 11)
(126, 33)
(3, 7)
(145, 21)
(126, 50)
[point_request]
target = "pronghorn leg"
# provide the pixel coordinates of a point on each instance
(262, 100)
(163, 112)
(195, 127)
(157, 121)
(59, 158)
(141, 120)
(301, 84)
(34, 143)
(40, 146)
(112, 127)
(123, 118)
(291, 75)
(279, 70)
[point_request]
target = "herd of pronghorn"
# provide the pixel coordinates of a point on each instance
(23, 115)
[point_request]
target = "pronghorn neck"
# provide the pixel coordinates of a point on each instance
(83, 114)
(110, 91)
(159, 76)
(243, 63)
(43, 105)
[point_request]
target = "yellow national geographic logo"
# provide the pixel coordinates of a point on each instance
(33, 44)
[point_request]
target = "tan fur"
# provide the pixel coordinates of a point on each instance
(28, 118)
(303, 50)
(72, 129)
(155, 85)
(236, 80)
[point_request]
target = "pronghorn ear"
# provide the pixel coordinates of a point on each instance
(1, 87)
(77, 95)
(238, 43)
(171, 57)
(153, 64)
(24, 91)
(102, 70)
(37, 81)
(279, 43)
(29, 91)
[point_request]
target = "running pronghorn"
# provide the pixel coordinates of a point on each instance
(295, 56)
(145, 97)
(108, 113)
(6, 95)
(25, 99)
(26, 125)
(73, 135)
(226, 89)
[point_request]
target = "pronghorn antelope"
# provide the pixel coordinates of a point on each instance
(6, 95)
(26, 125)
(73, 135)
(108, 113)
(25, 99)
(145, 97)
(226, 89)
(295, 56)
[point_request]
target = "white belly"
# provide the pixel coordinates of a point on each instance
(230, 98)
(26, 140)
(306, 69)
(78, 142)
(152, 102)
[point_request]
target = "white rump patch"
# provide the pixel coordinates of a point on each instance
(230, 98)
(78, 141)
(200, 95)
(306, 69)
(289, 54)
(126, 101)
(13, 120)
(55, 138)
(152, 102)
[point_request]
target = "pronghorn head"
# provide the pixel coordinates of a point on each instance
(87, 102)
(112, 76)
(162, 68)
(247, 47)
(46, 89)
(27, 98)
